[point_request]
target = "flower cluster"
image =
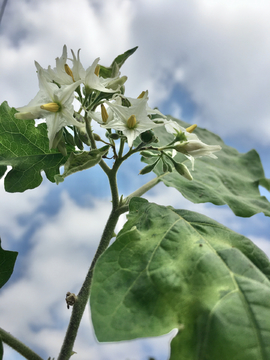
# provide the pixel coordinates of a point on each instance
(100, 92)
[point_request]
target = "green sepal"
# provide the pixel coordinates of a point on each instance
(69, 138)
(77, 139)
(148, 168)
(107, 72)
(148, 154)
(81, 161)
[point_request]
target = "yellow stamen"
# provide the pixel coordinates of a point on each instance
(131, 122)
(97, 70)
(104, 113)
(141, 95)
(53, 107)
(191, 128)
(69, 71)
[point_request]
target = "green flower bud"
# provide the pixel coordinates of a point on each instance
(77, 139)
(96, 137)
(182, 170)
(113, 136)
(148, 136)
(68, 137)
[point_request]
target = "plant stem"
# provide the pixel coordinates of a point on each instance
(143, 189)
(83, 296)
(17, 345)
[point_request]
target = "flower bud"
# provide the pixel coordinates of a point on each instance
(182, 170)
(113, 136)
(148, 136)
(96, 137)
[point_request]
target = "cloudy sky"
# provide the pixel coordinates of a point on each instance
(204, 61)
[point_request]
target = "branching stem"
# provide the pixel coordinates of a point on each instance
(17, 345)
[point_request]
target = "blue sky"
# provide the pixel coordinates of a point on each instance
(204, 61)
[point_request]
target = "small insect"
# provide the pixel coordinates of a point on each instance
(70, 299)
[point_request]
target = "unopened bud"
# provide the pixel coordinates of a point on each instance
(182, 170)
(131, 122)
(69, 71)
(97, 137)
(191, 128)
(148, 136)
(53, 107)
(113, 136)
(104, 113)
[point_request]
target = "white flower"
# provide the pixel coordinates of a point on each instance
(143, 96)
(62, 74)
(132, 120)
(52, 103)
(191, 146)
(93, 81)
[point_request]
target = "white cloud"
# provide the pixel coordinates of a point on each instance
(14, 206)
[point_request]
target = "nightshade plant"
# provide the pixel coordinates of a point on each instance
(167, 268)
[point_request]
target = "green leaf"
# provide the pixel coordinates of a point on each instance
(82, 161)
(26, 148)
(232, 179)
(7, 262)
(106, 72)
(178, 269)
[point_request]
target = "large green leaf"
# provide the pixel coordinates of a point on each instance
(7, 262)
(232, 179)
(178, 269)
(26, 148)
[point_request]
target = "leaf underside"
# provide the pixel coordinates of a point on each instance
(25, 147)
(232, 179)
(173, 268)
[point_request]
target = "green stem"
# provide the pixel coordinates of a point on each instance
(17, 345)
(83, 296)
(143, 189)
